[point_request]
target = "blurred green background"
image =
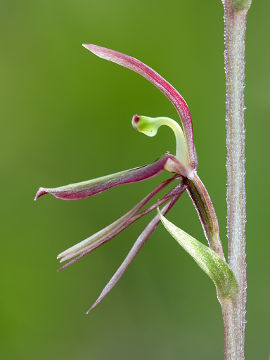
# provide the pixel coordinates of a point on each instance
(65, 117)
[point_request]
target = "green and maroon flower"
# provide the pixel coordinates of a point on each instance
(181, 170)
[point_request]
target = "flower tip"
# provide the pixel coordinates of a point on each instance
(91, 308)
(59, 257)
(90, 47)
(85, 46)
(41, 191)
(135, 121)
(95, 49)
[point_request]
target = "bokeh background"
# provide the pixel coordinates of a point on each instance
(65, 117)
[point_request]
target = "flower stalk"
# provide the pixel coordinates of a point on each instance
(235, 14)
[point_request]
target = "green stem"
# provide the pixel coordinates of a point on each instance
(234, 311)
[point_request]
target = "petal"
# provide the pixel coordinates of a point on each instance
(133, 252)
(82, 249)
(163, 85)
(102, 236)
(84, 189)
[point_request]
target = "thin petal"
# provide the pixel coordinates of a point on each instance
(178, 190)
(111, 230)
(114, 229)
(84, 189)
(164, 86)
(133, 252)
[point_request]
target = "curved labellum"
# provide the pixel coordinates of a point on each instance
(157, 80)
(149, 126)
(88, 188)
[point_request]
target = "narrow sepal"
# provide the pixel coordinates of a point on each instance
(85, 247)
(133, 252)
(207, 215)
(110, 231)
(88, 188)
(164, 86)
(217, 269)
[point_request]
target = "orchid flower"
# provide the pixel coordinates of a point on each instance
(181, 169)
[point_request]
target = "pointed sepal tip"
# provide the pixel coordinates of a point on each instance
(41, 191)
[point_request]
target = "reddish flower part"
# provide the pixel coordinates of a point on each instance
(163, 85)
(88, 188)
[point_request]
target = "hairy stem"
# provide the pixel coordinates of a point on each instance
(234, 310)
